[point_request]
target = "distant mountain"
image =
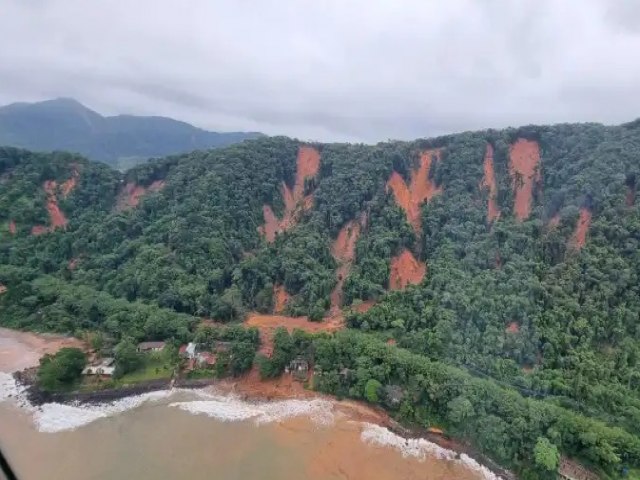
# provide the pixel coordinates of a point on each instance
(121, 141)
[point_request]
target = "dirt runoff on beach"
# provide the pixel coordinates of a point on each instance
(20, 350)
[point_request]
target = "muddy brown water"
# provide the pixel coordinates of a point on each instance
(158, 441)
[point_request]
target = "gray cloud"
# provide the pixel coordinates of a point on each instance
(363, 70)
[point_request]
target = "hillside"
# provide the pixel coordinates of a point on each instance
(491, 277)
(121, 141)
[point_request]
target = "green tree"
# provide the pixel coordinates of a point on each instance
(61, 370)
(372, 390)
(242, 355)
(546, 454)
(127, 357)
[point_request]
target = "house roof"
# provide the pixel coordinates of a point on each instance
(150, 345)
(207, 357)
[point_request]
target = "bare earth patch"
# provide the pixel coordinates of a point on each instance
(295, 201)
(421, 188)
(344, 250)
(20, 350)
(131, 194)
(524, 157)
(406, 270)
(57, 218)
(579, 237)
(267, 324)
(489, 181)
(280, 298)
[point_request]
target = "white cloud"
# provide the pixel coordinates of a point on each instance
(329, 69)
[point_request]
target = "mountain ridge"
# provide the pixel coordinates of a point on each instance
(494, 284)
(119, 140)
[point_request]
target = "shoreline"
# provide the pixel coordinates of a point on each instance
(250, 388)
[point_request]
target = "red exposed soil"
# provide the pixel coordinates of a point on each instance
(12, 227)
(39, 230)
(57, 218)
(489, 181)
(295, 202)
(68, 185)
(405, 270)
(579, 236)
(343, 250)
(420, 188)
(267, 325)
(524, 157)
(554, 222)
(364, 306)
(513, 327)
(73, 263)
(131, 194)
(19, 350)
(280, 298)
(271, 224)
(3, 288)
(630, 199)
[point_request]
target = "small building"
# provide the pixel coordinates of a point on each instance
(298, 366)
(188, 350)
(206, 359)
(572, 470)
(393, 395)
(220, 346)
(146, 347)
(104, 368)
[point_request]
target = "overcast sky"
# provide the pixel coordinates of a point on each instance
(361, 70)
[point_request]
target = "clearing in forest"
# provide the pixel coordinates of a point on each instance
(489, 181)
(524, 158)
(280, 298)
(513, 327)
(12, 227)
(579, 236)
(57, 218)
(131, 194)
(344, 250)
(420, 188)
(267, 325)
(295, 201)
(406, 270)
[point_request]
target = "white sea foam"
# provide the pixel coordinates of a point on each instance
(57, 417)
(419, 448)
(9, 388)
(229, 408)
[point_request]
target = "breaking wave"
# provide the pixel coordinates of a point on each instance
(58, 417)
(229, 408)
(420, 448)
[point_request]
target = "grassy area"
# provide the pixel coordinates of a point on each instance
(153, 368)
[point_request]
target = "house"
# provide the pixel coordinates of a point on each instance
(393, 395)
(146, 347)
(206, 359)
(571, 470)
(188, 350)
(219, 346)
(104, 368)
(298, 367)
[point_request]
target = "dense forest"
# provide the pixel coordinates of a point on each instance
(488, 280)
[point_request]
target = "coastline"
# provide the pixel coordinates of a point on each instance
(251, 388)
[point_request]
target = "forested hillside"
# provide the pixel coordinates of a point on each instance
(492, 277)
(121, 141)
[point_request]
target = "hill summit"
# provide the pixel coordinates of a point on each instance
(120, 141)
